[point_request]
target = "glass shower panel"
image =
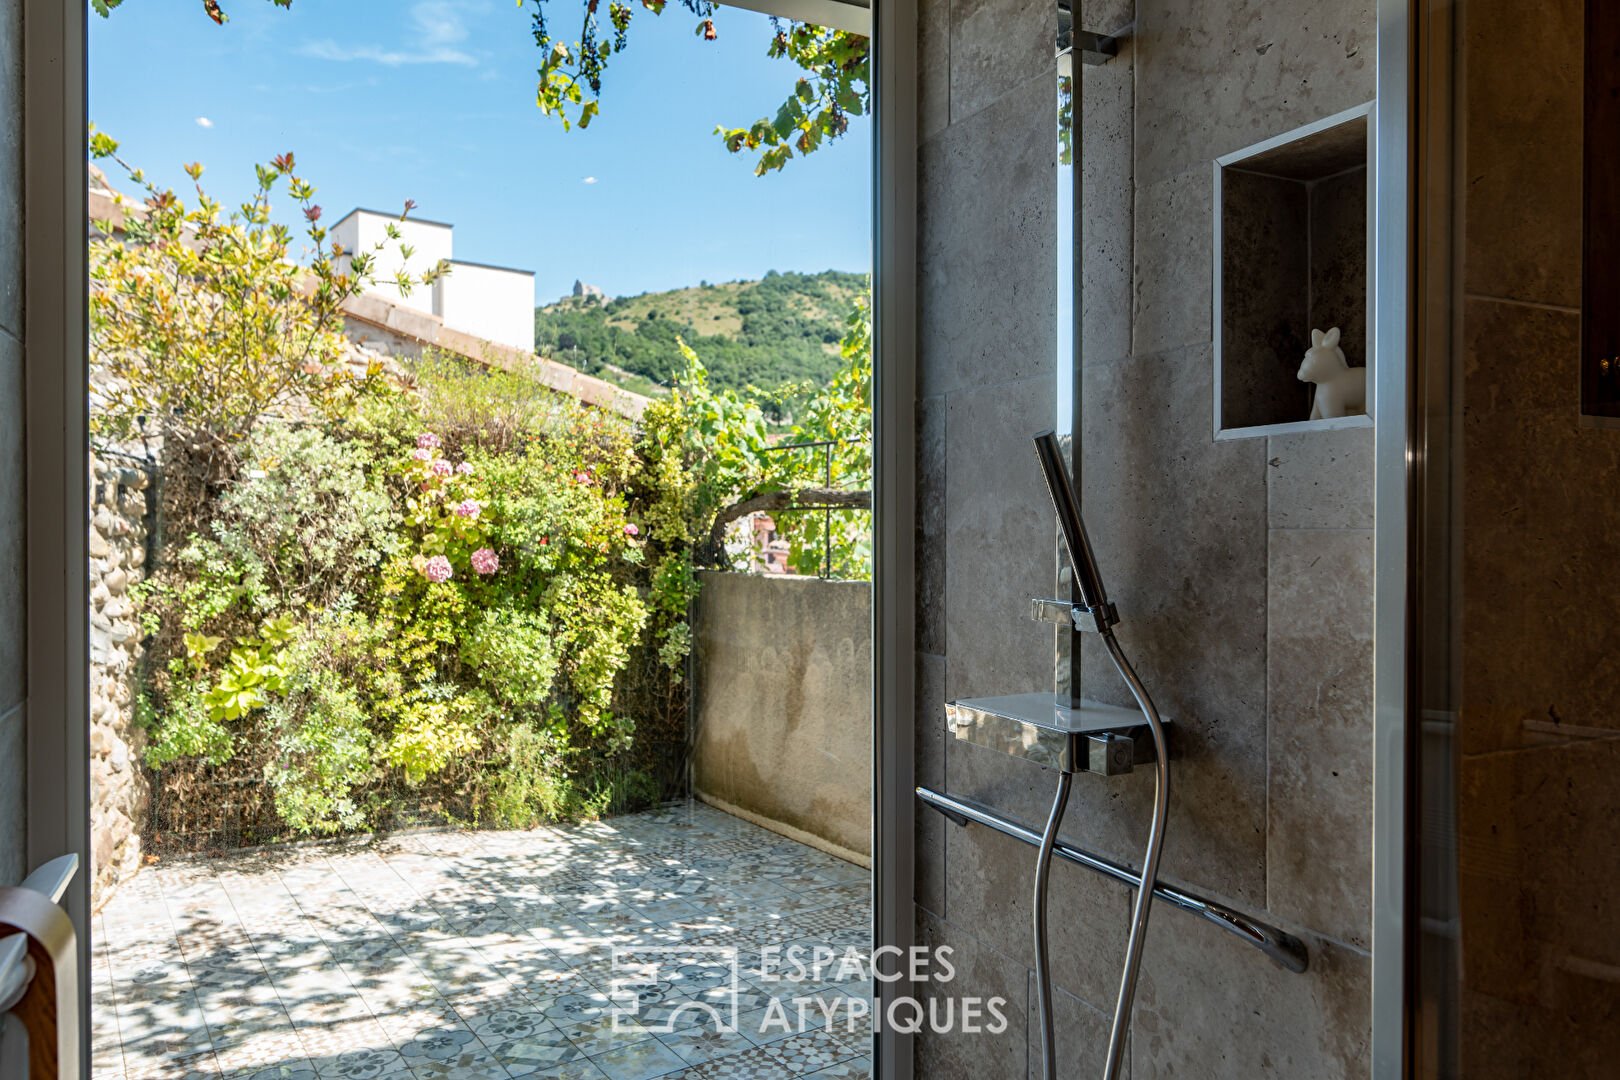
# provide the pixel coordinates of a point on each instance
(1514, 942)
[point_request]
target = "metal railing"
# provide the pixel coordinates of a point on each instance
(826, 446)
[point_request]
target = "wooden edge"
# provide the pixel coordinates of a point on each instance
(49, 1008)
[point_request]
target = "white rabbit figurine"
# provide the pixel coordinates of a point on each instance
(1341, 390)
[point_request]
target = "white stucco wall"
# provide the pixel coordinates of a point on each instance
(362, 230)
(490, 302)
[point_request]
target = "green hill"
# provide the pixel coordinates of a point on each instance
(767, 333)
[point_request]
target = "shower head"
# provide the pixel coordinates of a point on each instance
(1074, 530)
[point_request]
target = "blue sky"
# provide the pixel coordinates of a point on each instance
(384, 100)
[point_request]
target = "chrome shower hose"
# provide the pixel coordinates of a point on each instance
(1144, 891)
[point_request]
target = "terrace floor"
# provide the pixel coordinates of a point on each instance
(461, 955)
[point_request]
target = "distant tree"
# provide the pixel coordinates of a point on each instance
(836, 83)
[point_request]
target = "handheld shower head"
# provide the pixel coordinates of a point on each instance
(1081, 556)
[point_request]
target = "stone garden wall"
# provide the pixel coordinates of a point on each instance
(120, 525)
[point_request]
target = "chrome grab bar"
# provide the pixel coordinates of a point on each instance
(1282, 948)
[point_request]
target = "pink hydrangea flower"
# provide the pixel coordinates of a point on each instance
(440, 468)
(631, 530)
(427, 441)
(485, 561)
(465, 468)
(436, 569)
(582, 477)
(422, 454)
(468, 508)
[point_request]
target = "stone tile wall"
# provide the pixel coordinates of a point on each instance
(1243, 569)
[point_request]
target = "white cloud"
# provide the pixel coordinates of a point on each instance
(204, 122)
(589, 180)
(436, 30)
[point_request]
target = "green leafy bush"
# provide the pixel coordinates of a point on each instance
(362, 615)
(456, 591)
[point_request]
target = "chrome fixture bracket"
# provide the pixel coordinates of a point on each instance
(1077, 616)
(1044, 728)
(1091, 47)
(1280, 947)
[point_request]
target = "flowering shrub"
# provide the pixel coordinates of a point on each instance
(363, 611)
(465, 586)
(203, 322)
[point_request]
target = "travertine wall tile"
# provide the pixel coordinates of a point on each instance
(1107, 16)
(1080, 1031)
(1209, 1007)
(1181, 523)
(1217, 77)
(1265, 298)
(929, 882)
(1539, 857)
(1106, 236)
(1178, 522)
(13, 536)
(1319, 715)
(13, 649)
(933, 67)
(987, 275)
(1338, 240)
(1541, 553)
(1321, 480)
(13, 794)
(930, 526)
(984, 973)
(999, 539)
(991, 889)
(996, 45)
(1174, 278)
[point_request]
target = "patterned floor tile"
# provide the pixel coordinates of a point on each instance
(361, 1063)
(570, 1070)
(530, 1054)
(695, 1045)
(447, 955)
(809, 1052)
(854, 1069)
(639, 1061)
(752, 1064)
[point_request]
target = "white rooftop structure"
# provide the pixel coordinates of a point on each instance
(491, 302)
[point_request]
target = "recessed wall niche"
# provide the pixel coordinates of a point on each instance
(1292, 235)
